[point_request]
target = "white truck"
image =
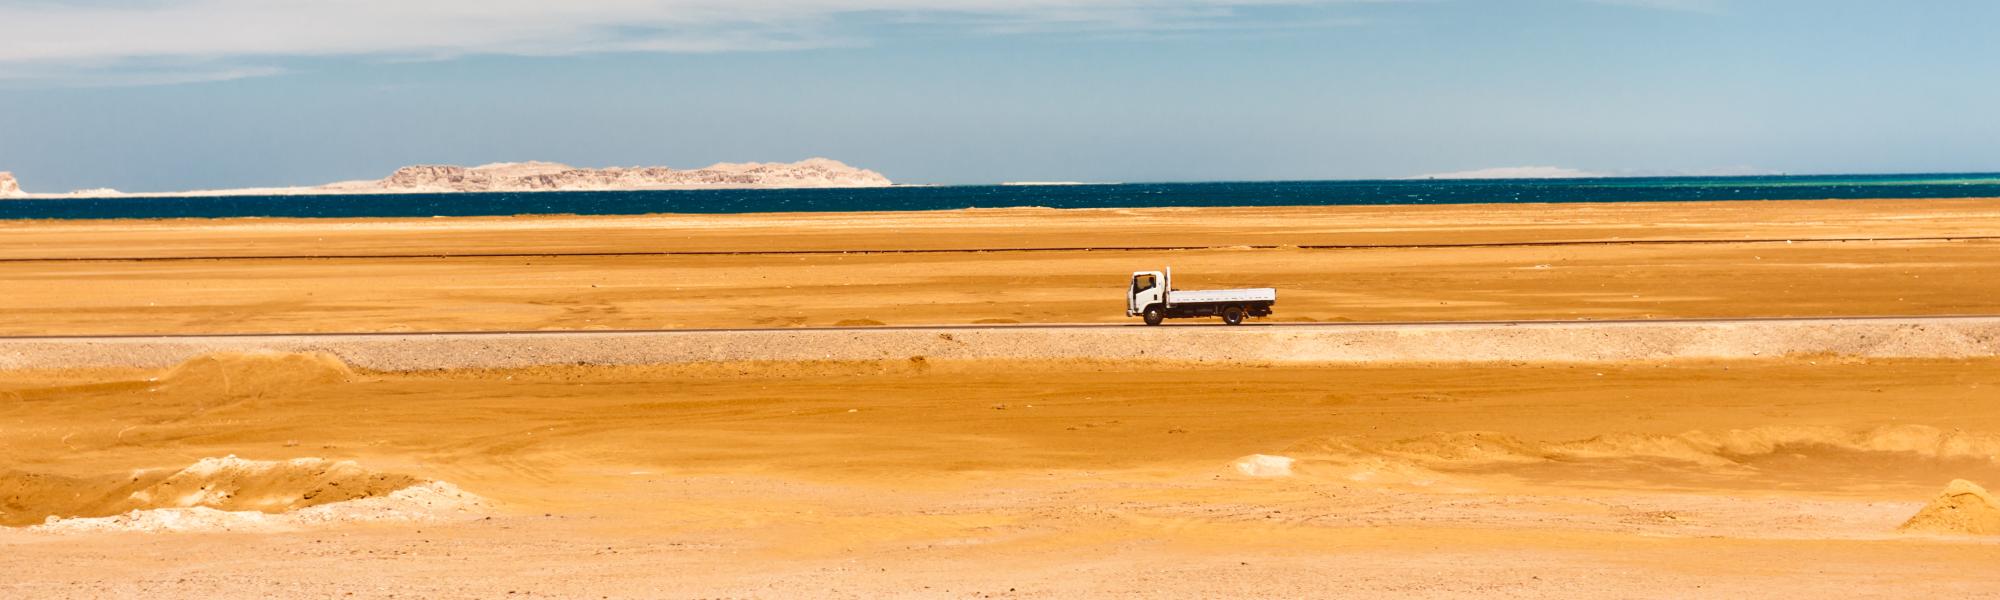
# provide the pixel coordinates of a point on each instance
(1153, 297)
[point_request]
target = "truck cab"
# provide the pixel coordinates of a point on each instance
(1148, 288)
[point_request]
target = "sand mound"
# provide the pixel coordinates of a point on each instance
(1732, 447)
(1799, 455)
(1474, 446)
(1739, 445)
(1264, 465)
(1963, 508)
(254, 374)
(225, 485)
(232, 483)
(429, 501)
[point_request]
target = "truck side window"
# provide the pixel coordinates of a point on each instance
(1142, 283)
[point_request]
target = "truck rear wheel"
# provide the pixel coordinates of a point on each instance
(1154, 316)
(1233, 315)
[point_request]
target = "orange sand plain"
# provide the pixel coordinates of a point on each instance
(1768, 479)
(925, 478)
(1939, 264)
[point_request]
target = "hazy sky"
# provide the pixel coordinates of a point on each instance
(148, 95)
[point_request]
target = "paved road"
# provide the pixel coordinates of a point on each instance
(1953, 337)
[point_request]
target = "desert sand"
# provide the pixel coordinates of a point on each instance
(237, 474)
(1467, 262)
(1784, 478)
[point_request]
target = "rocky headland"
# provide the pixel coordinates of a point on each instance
(549, 177)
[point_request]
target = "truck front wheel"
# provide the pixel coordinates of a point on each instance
(1233, 315)
(1154, 316)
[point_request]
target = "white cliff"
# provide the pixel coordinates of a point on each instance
(545, 176)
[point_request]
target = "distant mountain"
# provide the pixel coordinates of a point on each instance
(546, 176)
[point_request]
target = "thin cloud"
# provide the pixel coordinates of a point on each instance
(93, 39)
(71, 31)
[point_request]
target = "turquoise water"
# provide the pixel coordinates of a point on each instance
(1127, 195)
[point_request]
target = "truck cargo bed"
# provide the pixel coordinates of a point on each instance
(1223, 296)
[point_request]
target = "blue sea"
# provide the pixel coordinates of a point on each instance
(1123, 195)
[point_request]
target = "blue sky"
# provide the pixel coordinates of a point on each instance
(153, 95)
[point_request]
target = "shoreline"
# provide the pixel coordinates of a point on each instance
(448, 198)
(865, 213)
(323, 190)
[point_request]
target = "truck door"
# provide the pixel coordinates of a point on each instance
(1145, 290)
